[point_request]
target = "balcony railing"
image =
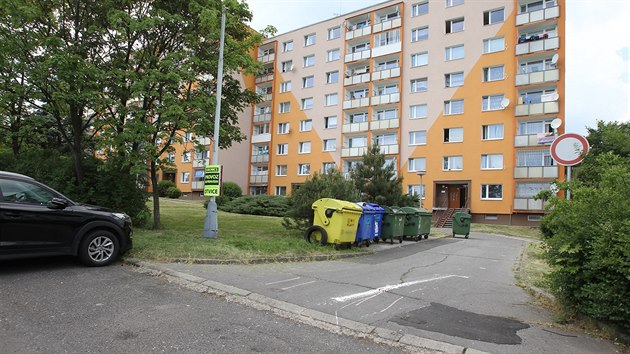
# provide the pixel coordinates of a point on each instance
(355, 127)
(385, 74)
(357, 79)
(204, 141)
(258, 179)
(358, 32)
(364, 54)
(387, 25)
(265, 96)
(386, 49)
(260, 158)
(529, 204)
(197, 185)
(267, 58)
(538, 15)
(389, 149)
(536, 172)
(201, 162)
(356, 103)
(385, 99)
(353, 152)
(538, 46)
(537, 77)
(263, 117)
(533, 140)
(261, 138)
(264, 78)
(536, 108)
(385, 124)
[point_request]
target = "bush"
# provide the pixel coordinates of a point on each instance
(163, 187)
(268, 205)
(173, 193)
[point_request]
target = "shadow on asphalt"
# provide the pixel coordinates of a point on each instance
(397, 252)
(36, 265)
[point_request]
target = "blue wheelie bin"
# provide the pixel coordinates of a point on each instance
(378, 221)
(365, 230)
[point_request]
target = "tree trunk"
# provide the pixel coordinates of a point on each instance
(156, 196)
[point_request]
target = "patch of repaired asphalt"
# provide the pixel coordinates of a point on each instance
(457, 323)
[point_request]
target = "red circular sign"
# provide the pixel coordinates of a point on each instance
(569, 149)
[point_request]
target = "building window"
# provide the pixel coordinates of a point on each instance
(332, 77)
(357, 118)
(202, 154)
(492, 162)
(186, 156)
(360, 93)
(330, 144)
(334, 32)
(419, 85)
(491, 191)
(454, 52)
(450, 3)
(281, 170)
(414, 189)
(307, 103)
(188, 137)
(420, 8)
(491, 102)
(491, 217)
(386, 139)
(261, 129)
(493, 16)
(170, 157)
(453, 107)
(452, 163)
(357, 141)
(282, 149)
(454, 79)
(534, 217)
(387, 114)
(534, 158)
(309, 39)
(419, 59)
(304, 169)
(304, 147)
(330, 122)
(306, 125)
(287, 66)
(529, 190)
(287, 46)
(492, 132)
(453, 135)
(493, 73)
(285, 107)
(327, 166)
(534, 127)
(418, 137)
(492, 45)
(332, 99)
(417, 164)
(386, 90)
(333, 55)
(283, 128)
(308, 82)
(185, 177)
(285, 86)
(420, 34)
(309, 60)
(455, 25)
(418, 111)
(387, 38)
(281, 190)
(386, 65)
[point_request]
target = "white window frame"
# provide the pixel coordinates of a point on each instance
(489, 161)
(281, 170)
(282, 149)
(304, 147)
(308, 81)
(327, 166)
(184, 177)
(448, 107)
(333, 55)
(286, 66)
(304, 169)
(284, 107)
(186, 156)
(309, 60)
(310, 39)
(420, 34)
(417, 85)
(386, 114)
(283, 128)
(453, 135)
(486, 132)
(287, 46)
(488, 75)
(417, 9)
(488, 21)
(332, 77)
(306, 125)
(334, 33)
(416, 59)
(387, 38)
(281, 190)
(493, 45)
(285, 86)
(451, 3)
(414, 111)
(306, 103)
(327, 142)
(485, 192)
(332, 99)
(450, 82)
(450, 51)
(414, 189)
(449, 25)
(449, 163)
(417, 137)
(491, 102)
(413, 162)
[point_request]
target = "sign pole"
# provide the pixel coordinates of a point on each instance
(211, 224)
(568, 180)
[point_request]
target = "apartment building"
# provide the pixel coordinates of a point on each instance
(459, 95)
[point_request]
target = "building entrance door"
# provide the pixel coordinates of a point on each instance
(454, 197)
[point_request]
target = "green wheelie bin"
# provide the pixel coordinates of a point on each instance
(425, 223)
(461, 224)
(393, 224)
(412, 223)
(335, 222)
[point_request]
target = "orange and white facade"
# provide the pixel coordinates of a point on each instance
(460, 91)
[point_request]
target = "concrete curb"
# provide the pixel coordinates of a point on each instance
(322, 257)
(307, 316)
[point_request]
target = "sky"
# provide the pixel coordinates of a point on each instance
(598, 50)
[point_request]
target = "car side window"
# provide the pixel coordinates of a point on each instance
(25, 192)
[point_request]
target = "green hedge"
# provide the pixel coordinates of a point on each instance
(269, 205)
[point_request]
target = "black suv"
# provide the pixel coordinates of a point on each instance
(36, 220)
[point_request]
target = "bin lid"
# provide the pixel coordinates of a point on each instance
(369, 208)
(336, 204)
(376, 207)
(410, 210)
(392, 209)
(425, 212)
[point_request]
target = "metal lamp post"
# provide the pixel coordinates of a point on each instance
(421, 173)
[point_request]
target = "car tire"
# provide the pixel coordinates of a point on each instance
(99, 248)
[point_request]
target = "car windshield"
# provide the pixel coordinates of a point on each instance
(26, 192)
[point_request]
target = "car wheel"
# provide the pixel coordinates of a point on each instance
(99, 248)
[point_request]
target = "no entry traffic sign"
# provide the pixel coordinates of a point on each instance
(569, 149)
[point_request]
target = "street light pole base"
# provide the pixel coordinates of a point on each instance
(211, 224)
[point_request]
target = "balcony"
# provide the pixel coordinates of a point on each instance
(258, 179)
(264, 78)
(538, 46)
(260, 158)
(200, 163)
(386, 49)
(265, 96)
(354, 152)
(387, 25)
(385, 99)
(538, 15)
(385, 124)
(357, 79)
(385, 74)
(261, 138)
(364, 54)
(358, 32)
(204, 141)
(533, 139)
(261, 118)
(197, 185)
(536, 172)
(529, 204)
(389, 149)
(536, 108)
(537, 77)
(267, 58)
(355, 127)
(356, 103)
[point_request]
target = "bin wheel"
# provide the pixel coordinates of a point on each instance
(367, 243)
(376, 240)
(324, 236)
(453, 234)
(417, 238)
(391, 241)
(400, 240)
(466, 236)
(426, 236)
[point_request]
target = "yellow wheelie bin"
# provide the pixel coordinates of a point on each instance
(335, 222)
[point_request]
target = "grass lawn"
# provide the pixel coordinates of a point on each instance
(241, 237)
(519, 231)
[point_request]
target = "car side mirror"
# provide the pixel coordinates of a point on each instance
(57, 203)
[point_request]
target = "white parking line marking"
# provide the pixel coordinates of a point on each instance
(387, 308)
(283, 281)
(392, 287)
(295, 286)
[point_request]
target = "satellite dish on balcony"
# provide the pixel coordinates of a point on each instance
(556, 123)
(505, 102)
(554, 59)
(555, 96)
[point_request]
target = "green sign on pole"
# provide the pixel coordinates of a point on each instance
(212, 181)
